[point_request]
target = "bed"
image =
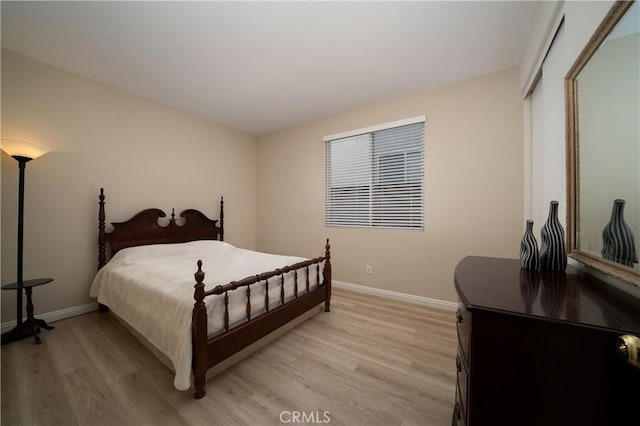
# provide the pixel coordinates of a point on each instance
(144, 269)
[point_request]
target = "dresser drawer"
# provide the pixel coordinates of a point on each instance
(463, 327)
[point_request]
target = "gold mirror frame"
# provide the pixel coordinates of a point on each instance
(631, 275)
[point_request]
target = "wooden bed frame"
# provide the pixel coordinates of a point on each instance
(143, 229)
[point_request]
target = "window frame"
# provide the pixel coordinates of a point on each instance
(370, 219)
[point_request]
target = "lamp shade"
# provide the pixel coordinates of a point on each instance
(18, 148)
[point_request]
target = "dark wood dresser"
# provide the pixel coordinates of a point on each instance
(540, 348)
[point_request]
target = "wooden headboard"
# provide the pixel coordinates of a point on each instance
(143, 229)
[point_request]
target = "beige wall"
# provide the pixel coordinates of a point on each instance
(474, 186)
(143, 154)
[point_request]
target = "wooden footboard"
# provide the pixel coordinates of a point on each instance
(209, 352)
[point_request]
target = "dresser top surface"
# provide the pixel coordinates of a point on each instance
(496, 284)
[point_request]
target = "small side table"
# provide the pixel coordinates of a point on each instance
(31, 326)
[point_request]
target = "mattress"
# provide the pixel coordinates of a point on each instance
(151, 288)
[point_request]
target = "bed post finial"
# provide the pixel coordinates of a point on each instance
(327, 250)
(221, 218)
(101, 234)
(199, 276)
(199, 334)
(326, 272)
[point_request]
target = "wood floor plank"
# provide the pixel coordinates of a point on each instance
(370, 361)
(144, 402)
(65, 338)
(318, 389)
(377, 301)
(142, 360)
(105, 354)
(92, 400)
(50, 405)
(16, 403)
(46, 403)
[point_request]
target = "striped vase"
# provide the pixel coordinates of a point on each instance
(553, 251)
(529, 285)
(553, 293)
(529, 249)
(617, 238)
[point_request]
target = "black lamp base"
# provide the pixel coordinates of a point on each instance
(26, 329)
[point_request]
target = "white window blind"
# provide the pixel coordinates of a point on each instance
(376, 178)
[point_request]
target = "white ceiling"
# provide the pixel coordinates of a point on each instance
(263, 66)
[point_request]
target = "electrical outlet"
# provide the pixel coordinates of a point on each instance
(369, 269)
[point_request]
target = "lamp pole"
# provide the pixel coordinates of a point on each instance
(22, 162)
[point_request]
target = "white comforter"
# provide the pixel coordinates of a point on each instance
(151, 288)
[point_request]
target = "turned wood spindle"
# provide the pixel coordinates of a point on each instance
(282, 289)
(102, 257)
(295, 282)
(266, 295)
(221, 219)
(226, 311)
(248, 303)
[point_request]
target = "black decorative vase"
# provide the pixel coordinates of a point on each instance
(617, 238)
(529, 285)
(553, 249)
(553, 293)
(529, 249)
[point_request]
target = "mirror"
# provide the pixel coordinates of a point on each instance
(603, 147)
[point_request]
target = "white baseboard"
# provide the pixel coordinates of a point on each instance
(419, 300)
(56, 315)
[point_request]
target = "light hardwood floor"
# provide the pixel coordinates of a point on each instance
(370, 361)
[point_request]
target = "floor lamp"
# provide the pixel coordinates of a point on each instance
(22, 152)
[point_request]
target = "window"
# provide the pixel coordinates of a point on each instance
(375, 176)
